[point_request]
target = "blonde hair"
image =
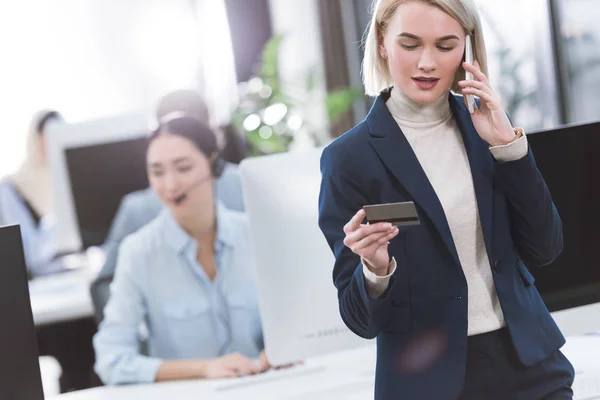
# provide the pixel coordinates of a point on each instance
(375, 71)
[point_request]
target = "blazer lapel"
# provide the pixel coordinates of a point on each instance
(482, 168)
(395, 152)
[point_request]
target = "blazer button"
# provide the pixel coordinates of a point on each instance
(497, 266)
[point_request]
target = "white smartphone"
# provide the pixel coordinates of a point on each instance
(469, 75)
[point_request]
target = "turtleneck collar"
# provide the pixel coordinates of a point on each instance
(409, 112)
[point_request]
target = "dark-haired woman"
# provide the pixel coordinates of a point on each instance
(187, 277)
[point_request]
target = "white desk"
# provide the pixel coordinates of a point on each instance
(347, 376)
(62, 297)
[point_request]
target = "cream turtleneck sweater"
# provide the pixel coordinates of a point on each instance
(436, 140)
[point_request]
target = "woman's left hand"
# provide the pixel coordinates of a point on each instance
(263, 363)
(490, 120)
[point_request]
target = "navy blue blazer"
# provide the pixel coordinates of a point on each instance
(421, 320)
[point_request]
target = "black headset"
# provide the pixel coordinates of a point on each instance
(218, 166)
(48, 116)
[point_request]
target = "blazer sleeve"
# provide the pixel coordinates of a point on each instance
(536, 227)
(339, 199)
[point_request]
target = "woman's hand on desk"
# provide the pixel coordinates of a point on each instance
(264, 363)
(231, 366)
(370, 241)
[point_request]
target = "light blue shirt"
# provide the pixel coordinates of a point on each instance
(160, 285)
(38, 245)
(140, 207)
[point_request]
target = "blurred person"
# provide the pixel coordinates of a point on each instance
(26, 199)
(140, 207)
(188, 276)
(451, 301)
(232, 144)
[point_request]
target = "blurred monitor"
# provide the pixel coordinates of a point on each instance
(568, 159)
(298, 301)
(20, 377)
(94, 164)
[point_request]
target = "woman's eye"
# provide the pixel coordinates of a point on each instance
(184, 169)
(445, 48)
(157, 174)
(409, 46)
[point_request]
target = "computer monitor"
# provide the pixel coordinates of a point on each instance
(567, 158)
(20, 377)
(94, 164)
(298, 301)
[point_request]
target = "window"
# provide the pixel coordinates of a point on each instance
(511, 30)
(579, 57)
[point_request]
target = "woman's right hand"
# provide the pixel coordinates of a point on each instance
(370, 241)
(231, 366)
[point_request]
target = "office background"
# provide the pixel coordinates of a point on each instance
(97, 58)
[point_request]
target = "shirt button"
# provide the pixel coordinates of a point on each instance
(497, 266)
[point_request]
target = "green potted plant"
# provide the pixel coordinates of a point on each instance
(271, 118)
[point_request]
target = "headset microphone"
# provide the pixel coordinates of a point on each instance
(179, 199)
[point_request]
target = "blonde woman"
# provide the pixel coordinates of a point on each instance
(451, 301)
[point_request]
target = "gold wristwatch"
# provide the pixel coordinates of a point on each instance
(519, 133)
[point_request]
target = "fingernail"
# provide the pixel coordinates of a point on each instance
(387, 225)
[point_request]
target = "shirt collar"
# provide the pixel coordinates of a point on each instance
(405, 109)
(178, 239)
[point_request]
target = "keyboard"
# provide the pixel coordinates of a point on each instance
(268, 377)
(586, 386)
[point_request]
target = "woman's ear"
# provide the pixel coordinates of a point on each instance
(381, 46)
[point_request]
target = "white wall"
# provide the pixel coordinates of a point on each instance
(89, 58)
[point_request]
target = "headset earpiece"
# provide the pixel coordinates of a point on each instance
(217, 167)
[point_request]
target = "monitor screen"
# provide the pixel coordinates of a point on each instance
(100, 175)
(20, 377)
(568, 159)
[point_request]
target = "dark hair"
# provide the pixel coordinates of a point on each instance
(191, 103)
(48, 116)
(236, 146)
(200, 134)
